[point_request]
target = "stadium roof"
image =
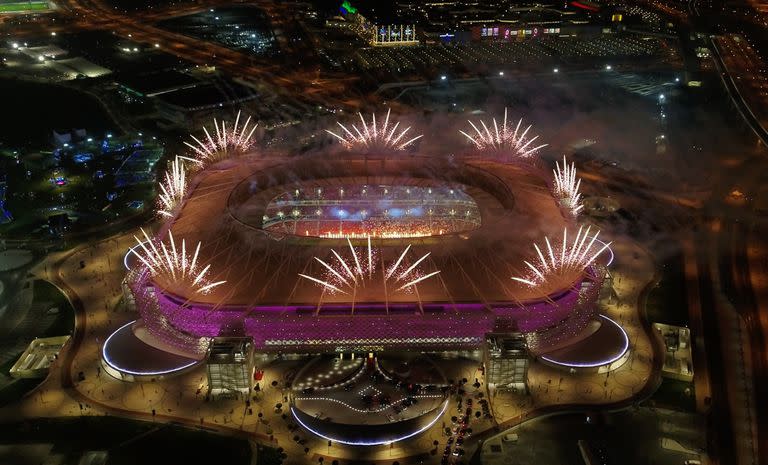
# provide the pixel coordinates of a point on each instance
(227, 203)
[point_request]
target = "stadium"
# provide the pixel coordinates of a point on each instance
(370, 249)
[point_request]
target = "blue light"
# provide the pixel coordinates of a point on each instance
(109, 362)
(371, 443)
(132, 250)
(82, 157)
(602, 362)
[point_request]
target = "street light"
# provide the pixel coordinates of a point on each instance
(608, 67)
(556, 70)
(443, 77)
(501, 73)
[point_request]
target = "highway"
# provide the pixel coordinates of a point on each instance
(736, 96)
(743, 254)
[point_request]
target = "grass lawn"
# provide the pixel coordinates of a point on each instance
(44, 292)
(671, 394)
(22, 6)
(667, 302)
(50, 295)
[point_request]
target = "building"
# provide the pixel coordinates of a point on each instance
(357, 251)
(506, 362)
(229, 367)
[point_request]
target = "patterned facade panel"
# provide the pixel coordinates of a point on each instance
(189, 326)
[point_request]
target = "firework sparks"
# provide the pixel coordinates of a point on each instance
(504, 139)
(371, 136)
(224, 143)
(173, 187)
(558, 262)
(175, 265)
(566, 187)
(345, 275)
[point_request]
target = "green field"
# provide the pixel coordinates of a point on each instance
(22, 6)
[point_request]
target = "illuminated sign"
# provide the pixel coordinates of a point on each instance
(395, 35)
(347, 8)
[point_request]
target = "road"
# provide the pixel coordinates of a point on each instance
(744, 99)
(325, 89)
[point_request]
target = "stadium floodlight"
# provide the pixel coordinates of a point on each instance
(503, 139)
(372, 136)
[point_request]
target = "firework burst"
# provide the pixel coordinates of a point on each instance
(371, 136)
(556, 263)
(173, 187)
(504, 140)
(566, 187)
(173, 264)
(224, 143)
(345, 275)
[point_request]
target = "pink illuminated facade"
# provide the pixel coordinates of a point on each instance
(376, 326)
(270, 226)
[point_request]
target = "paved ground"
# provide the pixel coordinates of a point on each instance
(660, 437)
(182, 398)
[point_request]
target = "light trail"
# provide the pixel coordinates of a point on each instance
(341, 277)
(566, 187)
(226, 143)
(372, 136)
(504, 140)
(571, 256)
(176, 266)
(173, 188)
